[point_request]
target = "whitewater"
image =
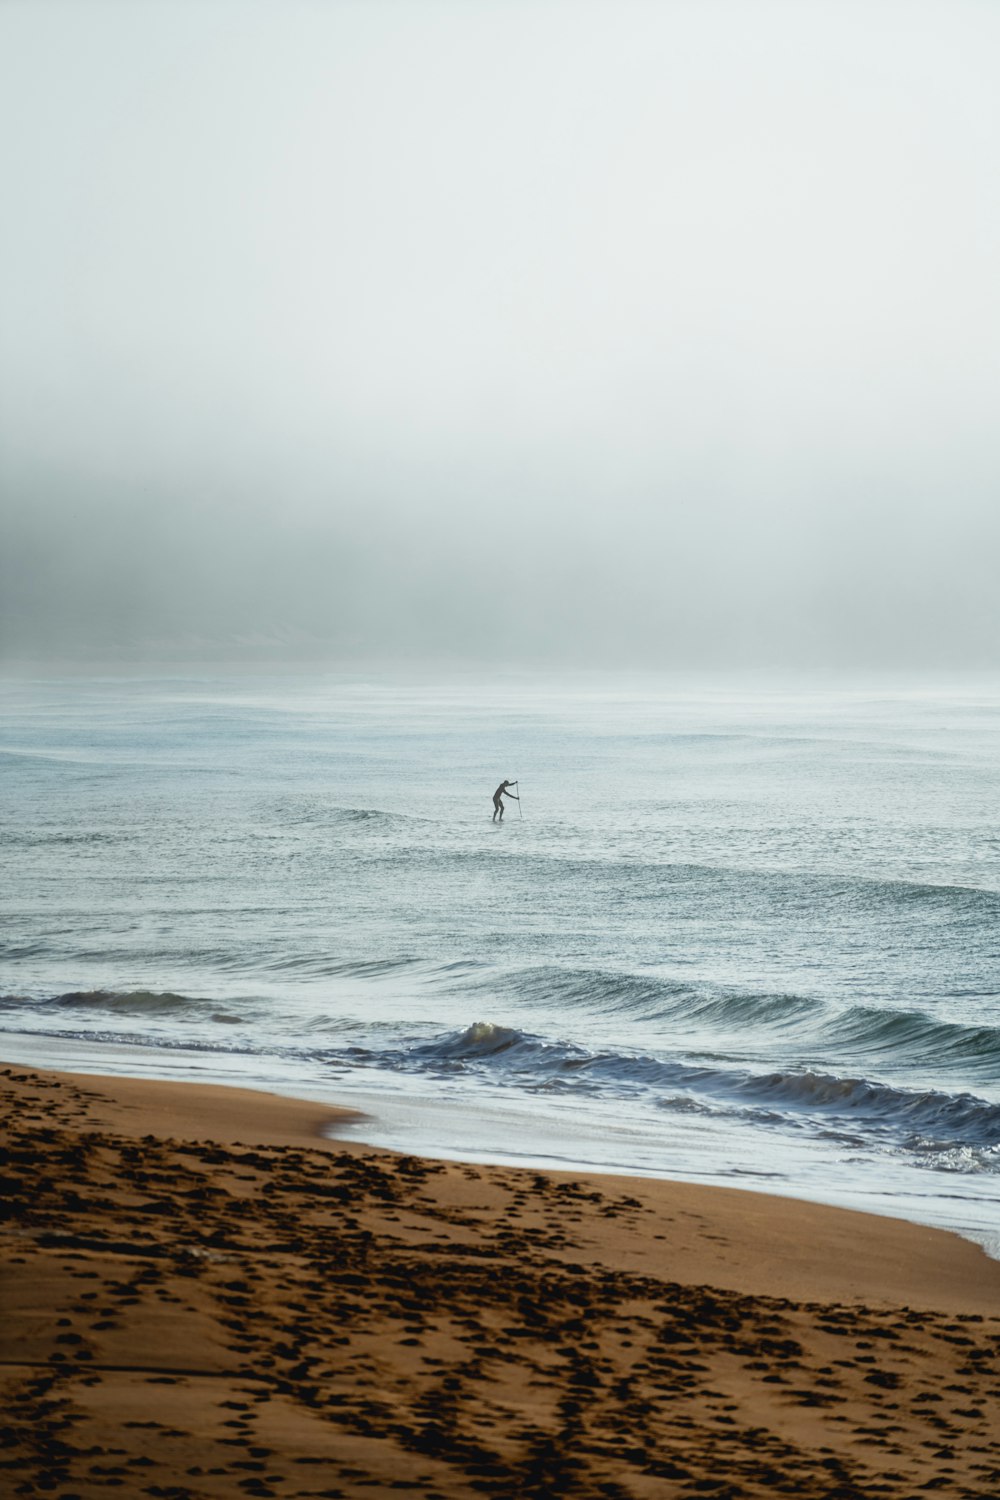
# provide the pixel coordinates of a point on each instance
(741, 935)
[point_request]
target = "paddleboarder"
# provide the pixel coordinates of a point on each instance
(499, 795)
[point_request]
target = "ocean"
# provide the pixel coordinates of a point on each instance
(746, 935)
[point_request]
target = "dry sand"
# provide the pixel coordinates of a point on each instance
(203, 1296)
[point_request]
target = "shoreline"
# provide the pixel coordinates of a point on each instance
(788, 1245)
(431, 1126)
(207, 1290)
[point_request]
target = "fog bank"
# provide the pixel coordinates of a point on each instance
(653, 334)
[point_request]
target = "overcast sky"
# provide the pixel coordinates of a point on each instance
(634, 333)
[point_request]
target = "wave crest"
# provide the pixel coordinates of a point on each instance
(829, 1103)
(154, 1003)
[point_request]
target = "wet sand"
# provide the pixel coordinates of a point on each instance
(205, 1296)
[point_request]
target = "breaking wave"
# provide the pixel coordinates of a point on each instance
(918, 1119)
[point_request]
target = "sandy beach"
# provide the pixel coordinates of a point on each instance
(205, 1293)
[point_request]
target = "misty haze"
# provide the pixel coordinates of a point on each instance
(638, 334)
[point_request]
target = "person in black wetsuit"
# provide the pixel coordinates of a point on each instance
(499, 795)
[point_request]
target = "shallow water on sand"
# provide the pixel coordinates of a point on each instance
(737, 935)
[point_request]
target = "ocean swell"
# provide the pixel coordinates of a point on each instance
(137, 1003)
(917, 1038)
